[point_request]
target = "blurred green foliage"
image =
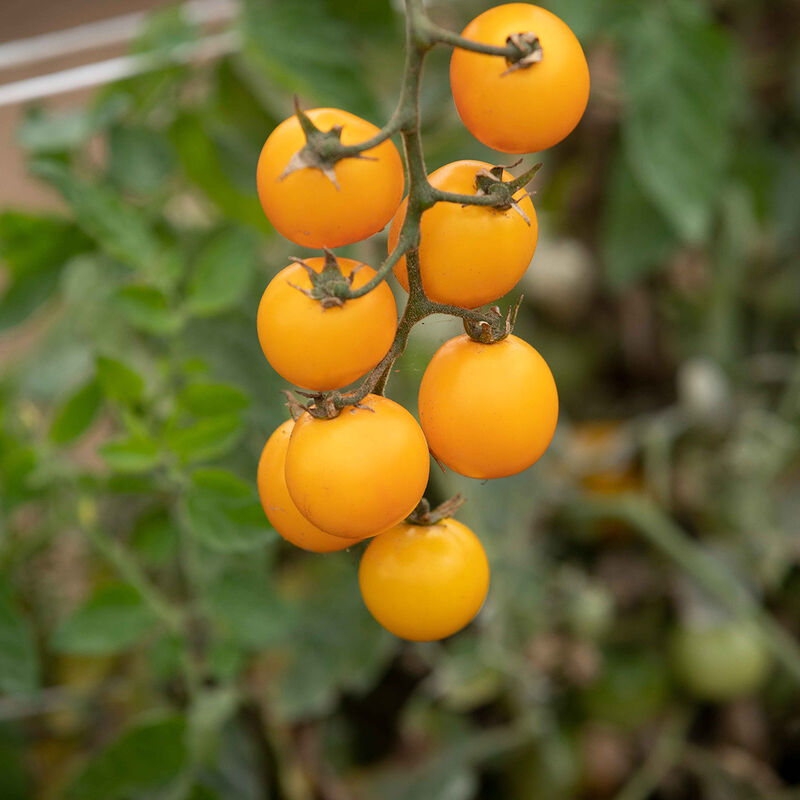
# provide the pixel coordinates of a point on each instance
(158, 639)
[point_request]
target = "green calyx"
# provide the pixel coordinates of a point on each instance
(494, 327)
(322, 149)
(490, 183)
(529, 50)
(330, 286)
(423, 514)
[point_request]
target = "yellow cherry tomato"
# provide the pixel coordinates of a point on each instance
(278, 505)
(527, 109)
(488, 410)
(424, 582)
(361, 472)
(324, 348)
(306, 207)
(469, 255)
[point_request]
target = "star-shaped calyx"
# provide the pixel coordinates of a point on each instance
(490, 182)
(321, 151)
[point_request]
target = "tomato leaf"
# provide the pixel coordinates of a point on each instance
(77, 414)
(112, 620)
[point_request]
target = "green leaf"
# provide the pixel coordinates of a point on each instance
(221, 517)
(19, 664)
(200, 159)
(147, 309)
(307, 50)
(34, 250)
(112, 620)
(141, 159)
(636, 237)
(223, 273)
(145, 758)
(31, 243)
(209, 437)
(44, 132)
(131, 454)
(222, 482)
(117, 227)
(324, 659)
(118, 381)
(155, 537)
(681, 82)
(244, 602)
(209, 399)
(77, 414)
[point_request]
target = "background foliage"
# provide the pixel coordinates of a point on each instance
(158, 640)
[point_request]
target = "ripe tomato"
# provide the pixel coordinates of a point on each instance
(424, 582)
(278, 506)
(488, 410)
(306, 207)
(722, 661)
(469, 255)
(361, 472)
(527, 109)
(324, 348)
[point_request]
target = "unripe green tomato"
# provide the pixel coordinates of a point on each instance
(720, 662)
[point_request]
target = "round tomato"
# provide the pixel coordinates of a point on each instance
(469, 255)
(721, 661)
(488, 410)
(324, 348)
(359, 473)
(278, 506)
(306, 207)
(530, 108)
(424, 582)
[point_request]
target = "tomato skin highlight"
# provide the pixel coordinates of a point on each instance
(278, 506)
(306, 207)
(361, 472)
(424, 582)
(488, 410)
(528, 109)
(318, 348)
(469, 255)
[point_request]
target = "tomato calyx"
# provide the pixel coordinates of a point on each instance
(321, 151)
(425, 516)
(330, 285)
(530, 51)
(494, 327)
(490, 183)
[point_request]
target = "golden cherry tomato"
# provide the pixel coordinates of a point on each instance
(526, 109)
(278, 506)
(488, 410)
(306, 207)
(359, 473)
(469, 255)
(424, 582)
(324, 348)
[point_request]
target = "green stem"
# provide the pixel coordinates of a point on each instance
(437, 35)
(668, 537)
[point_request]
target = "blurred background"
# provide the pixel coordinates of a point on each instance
(159, 641)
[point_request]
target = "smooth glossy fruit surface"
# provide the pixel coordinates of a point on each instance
(324, 348)
(527, 109)
(469, 255)
(360, 473)
(720, 661)
(424, 582)
(488, 410)
(278, 505)
(306, 206)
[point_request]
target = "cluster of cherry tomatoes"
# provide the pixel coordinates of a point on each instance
(487, 409)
